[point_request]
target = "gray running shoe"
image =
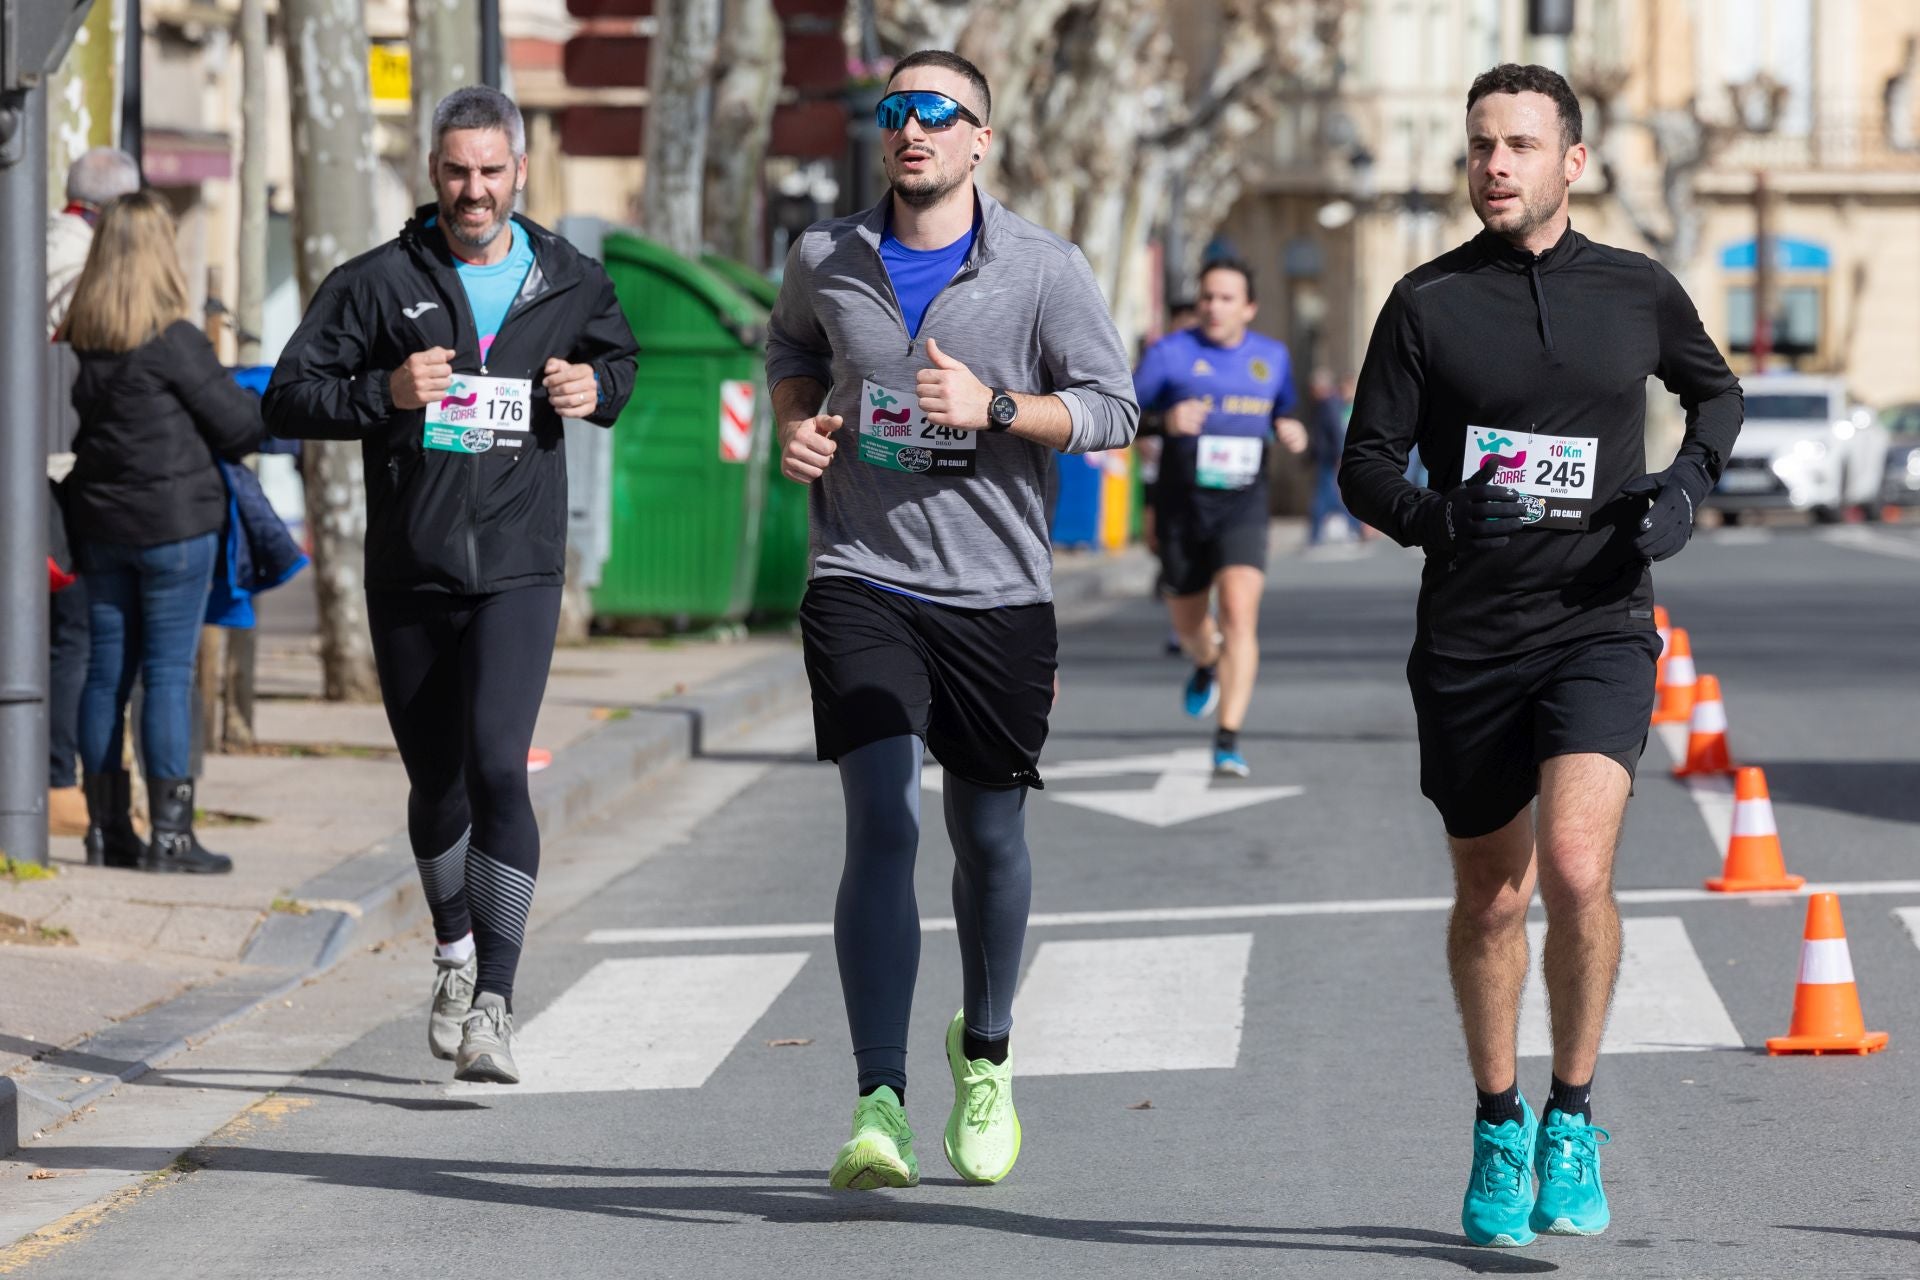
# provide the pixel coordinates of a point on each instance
(452, 997)
(486, 1044)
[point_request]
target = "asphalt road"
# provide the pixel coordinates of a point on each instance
(1235, 1046)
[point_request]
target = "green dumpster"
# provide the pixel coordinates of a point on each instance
(690, 449)
(784, 554)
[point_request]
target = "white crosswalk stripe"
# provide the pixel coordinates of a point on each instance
(1909, 918)
(1664, 1003)
(1133, 1004)
(654, 1022)
(1085, 1006)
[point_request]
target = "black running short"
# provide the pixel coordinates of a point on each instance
(1198, 541)
(976, 685)
(1485, 725)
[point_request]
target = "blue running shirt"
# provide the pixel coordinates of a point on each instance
(492, 287)
(1244, 387)
(919, 274)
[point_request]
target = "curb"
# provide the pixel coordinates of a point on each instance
(376, 894)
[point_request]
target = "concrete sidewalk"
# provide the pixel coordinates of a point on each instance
(103, 972)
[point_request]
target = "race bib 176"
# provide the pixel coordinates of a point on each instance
(894, 434)
(1554, 475)
(478, 414)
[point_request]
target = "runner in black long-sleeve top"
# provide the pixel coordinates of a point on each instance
(1518, 363)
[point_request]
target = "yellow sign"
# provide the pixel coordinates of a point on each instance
(389, 67)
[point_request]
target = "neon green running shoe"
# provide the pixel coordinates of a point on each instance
(880, 1153)
(983, 1132)
(1567, 1163)
(1499, 1196)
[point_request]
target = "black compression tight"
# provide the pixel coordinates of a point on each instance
(462, 678)
(876, 920)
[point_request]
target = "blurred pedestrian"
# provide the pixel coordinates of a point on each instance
(98, 176)
(146, 504)
(95, 178)
(1332, 406)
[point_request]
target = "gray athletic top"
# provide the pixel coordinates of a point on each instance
(960, 517)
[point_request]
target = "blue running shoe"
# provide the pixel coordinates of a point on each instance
(1500, 1193)
(1202, 693)
(1231, 764)
(1567, 1164)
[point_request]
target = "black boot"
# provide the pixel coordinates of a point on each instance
(173, 847)
(111, 840)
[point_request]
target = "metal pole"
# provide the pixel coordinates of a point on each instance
(132, 112)
(490, 58)
(23, 477)
(1763, 268)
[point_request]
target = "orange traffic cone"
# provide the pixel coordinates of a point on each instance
(1707, 737)
(1662, 627)
(1676, 681)
(1754, 861)
(1826, 1004)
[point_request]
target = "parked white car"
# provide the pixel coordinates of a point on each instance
(1806, 446)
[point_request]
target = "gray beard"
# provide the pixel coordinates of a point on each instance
(486, 237)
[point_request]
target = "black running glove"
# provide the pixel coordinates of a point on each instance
(1475, 515)
(1673, 496)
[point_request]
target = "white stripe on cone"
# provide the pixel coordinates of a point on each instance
(1754, 818)
(1824, 961)
(1680, 670)
(1710, 717)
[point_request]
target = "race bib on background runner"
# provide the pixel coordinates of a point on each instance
(1553, 475)
(479, 414)
(1229, 462)
(894, 434)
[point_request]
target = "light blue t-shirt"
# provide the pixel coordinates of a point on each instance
(919, 274)
(492, 287)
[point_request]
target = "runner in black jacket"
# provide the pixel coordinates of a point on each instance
(452, 354)
(1518, 363)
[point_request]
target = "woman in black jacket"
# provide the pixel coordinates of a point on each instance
(146, 503)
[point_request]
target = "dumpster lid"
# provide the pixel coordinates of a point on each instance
(745, 320)
(744, 278)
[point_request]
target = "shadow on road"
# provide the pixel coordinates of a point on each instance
(1888, 789)
(778, 1201)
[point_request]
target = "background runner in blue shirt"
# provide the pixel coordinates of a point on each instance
(1216, 392)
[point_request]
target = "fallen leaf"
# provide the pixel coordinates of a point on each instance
(41, 1175)
(1142, 1105)
(790, 1042)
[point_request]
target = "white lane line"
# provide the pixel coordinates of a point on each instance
(1910, 918)
(654, 1022)
(1860, 539)
(1663, 1003)
(1133, 1004)
(1249, 911)
(1712, 794)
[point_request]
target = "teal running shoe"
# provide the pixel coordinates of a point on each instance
(1499, 1196)
(1231, 764)
(1202, 693)
(880, 1152)
(1567, 1164)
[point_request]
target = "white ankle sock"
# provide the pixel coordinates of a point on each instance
(461, 950)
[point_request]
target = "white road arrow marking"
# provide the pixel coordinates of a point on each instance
(1182, 792)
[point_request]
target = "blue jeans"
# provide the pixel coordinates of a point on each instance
(144, 606)
(1326, 502)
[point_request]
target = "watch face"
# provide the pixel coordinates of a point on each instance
(1003, 409)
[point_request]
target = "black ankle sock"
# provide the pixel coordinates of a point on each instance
(1574, 1099)
(994, 1051)
(1498, 1108)
(1226, 739)
(899, 1091)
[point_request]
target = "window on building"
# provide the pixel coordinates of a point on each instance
(1796, 325)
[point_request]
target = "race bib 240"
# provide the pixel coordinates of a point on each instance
(895, 435)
